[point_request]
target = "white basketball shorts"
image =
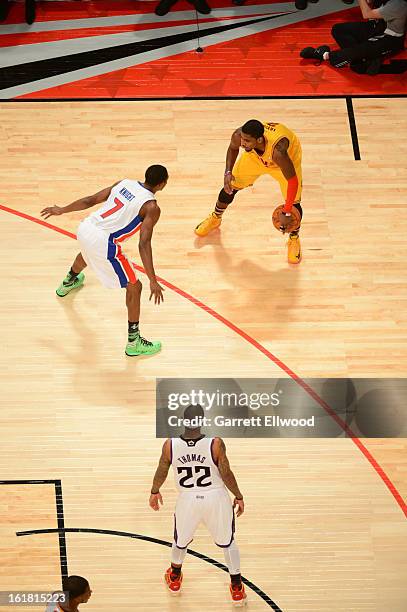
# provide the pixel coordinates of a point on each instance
(213, 508)
(105, 256)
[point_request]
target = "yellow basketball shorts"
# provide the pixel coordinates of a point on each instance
(248, 168)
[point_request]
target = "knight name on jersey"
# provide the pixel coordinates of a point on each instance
(188, 458)
(124, 192)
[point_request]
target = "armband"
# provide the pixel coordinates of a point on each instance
(292, 188)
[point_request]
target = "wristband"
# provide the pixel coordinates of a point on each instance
(227, 172)
(239, 498)
(155, 493)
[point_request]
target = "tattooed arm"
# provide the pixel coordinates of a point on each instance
(228, 477)
(160, 475)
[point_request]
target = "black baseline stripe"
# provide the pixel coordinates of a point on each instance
(63, 558)
(136, 536)
(353, 130)
(12, 76)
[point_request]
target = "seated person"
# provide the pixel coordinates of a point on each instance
(363, 44)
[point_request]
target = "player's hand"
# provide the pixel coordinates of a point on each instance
(239, 504)
(284, 221)
(157, 292)
(227, 184)
(51, 211)
(155, 501)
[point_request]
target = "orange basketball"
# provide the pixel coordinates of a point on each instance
(294, 221)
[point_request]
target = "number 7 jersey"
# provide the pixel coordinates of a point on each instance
(119, 215)
(194, 466)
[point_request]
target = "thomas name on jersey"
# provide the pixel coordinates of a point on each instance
(193, 457)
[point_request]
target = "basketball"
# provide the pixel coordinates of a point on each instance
(294, 223)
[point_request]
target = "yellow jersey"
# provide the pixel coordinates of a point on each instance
(273, 133)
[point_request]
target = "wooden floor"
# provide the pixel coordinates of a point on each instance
(321, 531)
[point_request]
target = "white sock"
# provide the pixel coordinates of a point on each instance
(326, 55)
(232, 558)
(177, 554)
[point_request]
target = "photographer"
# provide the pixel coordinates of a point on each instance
(363, 44)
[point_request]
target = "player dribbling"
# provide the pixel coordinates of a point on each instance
(269, 148)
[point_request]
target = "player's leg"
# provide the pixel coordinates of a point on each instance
(220, 521)
(187, 517)
(74, 278)
(173, 576)
(232, 560)
(214, 219)
(244, 173)
(137, 345)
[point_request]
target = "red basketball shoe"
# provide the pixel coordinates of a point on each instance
(173, 582)
(238, 594)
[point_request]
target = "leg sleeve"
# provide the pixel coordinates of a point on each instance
(232, 558)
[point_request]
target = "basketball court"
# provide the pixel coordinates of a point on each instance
(325, 522)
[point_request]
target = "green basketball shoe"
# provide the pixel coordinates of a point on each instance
(141, 346)
(66, 287)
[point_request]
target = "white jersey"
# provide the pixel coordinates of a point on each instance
(194, 467)
(54, 607)
(119, 215)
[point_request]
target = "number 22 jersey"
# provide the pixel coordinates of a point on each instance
(194, 466)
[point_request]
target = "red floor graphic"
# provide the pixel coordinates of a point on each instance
(120, 49)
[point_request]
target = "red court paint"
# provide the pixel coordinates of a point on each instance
(368, 455)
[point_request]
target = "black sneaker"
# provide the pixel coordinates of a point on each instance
(301, 5)
(164, 7)
(312, 53)
(201, 6)
(30, 11)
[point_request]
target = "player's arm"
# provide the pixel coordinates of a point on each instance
(82, 204)
(283, 160)
(160, 475)
(228, 477)
(368, 12)
(231, 156)
(150, 213)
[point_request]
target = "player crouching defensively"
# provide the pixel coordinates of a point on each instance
(202, 473)
(269, 148)
(130, 206)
